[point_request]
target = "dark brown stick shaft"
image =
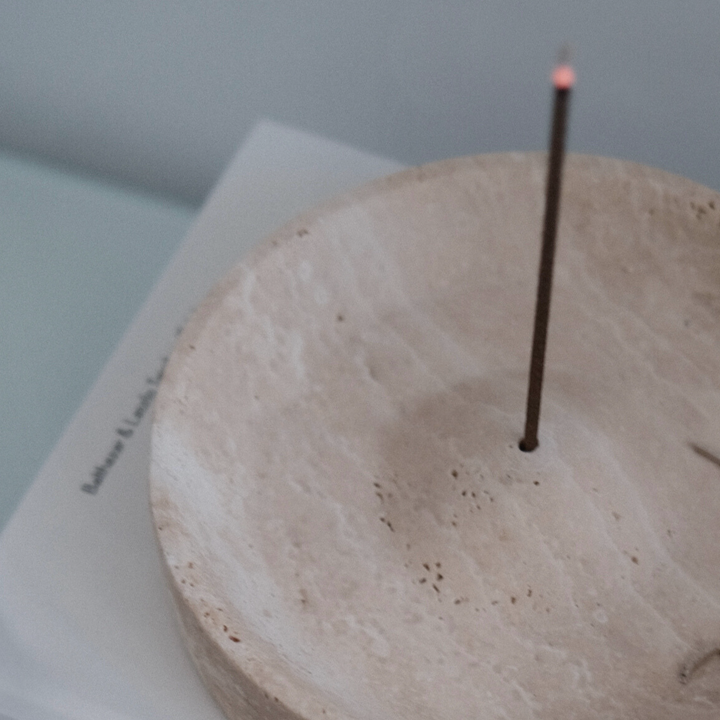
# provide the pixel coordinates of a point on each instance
(547, 257)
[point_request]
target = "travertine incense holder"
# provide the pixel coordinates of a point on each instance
(349, 528)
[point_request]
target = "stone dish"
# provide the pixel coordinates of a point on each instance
(349, 528)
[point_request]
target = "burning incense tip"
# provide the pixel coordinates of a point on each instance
(563, 77)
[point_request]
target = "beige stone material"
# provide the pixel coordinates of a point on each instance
(349, 526)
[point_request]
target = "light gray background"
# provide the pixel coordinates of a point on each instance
(159, 93)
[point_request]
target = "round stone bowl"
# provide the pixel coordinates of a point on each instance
(349, 528)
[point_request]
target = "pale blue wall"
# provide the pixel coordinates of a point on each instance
(159, 93)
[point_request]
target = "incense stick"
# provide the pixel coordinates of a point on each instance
(563, 79)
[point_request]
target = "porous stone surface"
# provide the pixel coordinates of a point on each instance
(349, 527)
